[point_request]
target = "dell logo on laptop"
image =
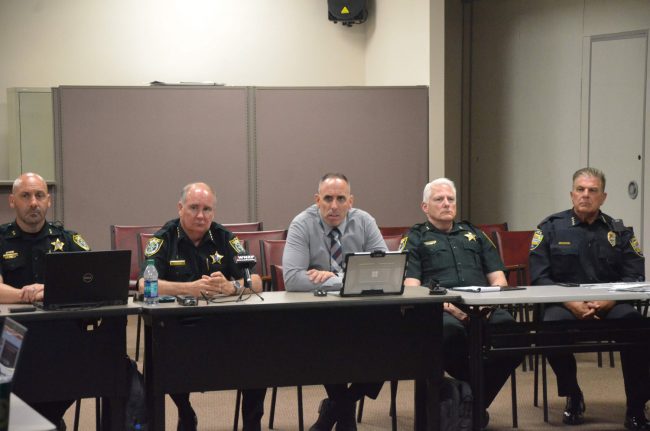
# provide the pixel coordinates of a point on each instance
(87, 277)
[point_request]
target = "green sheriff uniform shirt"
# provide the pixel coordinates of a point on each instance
(177, 259)
(460, 257)
(22, 255)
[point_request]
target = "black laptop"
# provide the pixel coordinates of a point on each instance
(80, 279)
(11, 341)
(376, 273)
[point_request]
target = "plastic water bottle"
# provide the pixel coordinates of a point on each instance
(150, 283)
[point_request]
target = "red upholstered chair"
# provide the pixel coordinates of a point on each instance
(243, 227)
(491, 228)
(126, 238)
(514, 247)
(393, 242)
(394, 230)
(253, 243)
(272, 250)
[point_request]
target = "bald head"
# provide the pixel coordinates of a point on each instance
(30, 199)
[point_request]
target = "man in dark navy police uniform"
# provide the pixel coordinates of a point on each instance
(23, 245)
(457, 254)
(195, 256)
(584, 245)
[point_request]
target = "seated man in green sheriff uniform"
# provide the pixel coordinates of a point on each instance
(457, 254)
(23, 245)
(195, 256)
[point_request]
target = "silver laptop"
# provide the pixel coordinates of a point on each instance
(11, 342)
(374, 273)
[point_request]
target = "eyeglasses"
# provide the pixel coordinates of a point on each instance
(218, 298)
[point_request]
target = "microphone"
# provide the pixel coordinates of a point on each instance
(246, 262)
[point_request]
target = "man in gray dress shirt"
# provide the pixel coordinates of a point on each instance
(317, 240)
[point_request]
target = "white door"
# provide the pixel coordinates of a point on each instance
(616, 121)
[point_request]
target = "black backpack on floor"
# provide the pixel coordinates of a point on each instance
(136, 406)
(455, 405)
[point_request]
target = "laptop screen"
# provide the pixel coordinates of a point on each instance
(11, 341)
(86, 278)
(376, 273)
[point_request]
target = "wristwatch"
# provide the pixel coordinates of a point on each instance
(237, 286)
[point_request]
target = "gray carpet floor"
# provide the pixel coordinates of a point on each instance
(602, 387)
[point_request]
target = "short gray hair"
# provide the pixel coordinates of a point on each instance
(437, 182)
(590, 172)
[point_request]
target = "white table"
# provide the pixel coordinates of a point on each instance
(24, 418)
(539, 334)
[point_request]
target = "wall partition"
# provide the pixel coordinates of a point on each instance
(124, 153)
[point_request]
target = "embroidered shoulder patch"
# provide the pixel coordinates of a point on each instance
(635, 246)
(538, 236)
(78, 239)
(153, 246)
(236, 245)
(402, 243)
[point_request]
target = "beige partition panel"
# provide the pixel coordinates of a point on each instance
(376, 136)
(125, 153)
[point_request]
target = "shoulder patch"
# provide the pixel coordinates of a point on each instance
(153, 246)
(538, 236)
(402, 243)
(78, 239)
(635, 246)
(236, 245)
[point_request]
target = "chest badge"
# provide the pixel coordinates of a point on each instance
(470, 236)
(611, 237)
(9, 255)
(216, 257)
(57, 245)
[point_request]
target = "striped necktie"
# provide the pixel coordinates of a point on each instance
(336, 252)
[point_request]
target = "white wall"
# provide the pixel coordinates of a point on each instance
(526, 101)
(252, 42)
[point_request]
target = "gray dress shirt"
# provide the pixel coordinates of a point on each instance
(308, 245)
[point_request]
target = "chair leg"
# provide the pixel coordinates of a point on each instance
(536, 382)
(237, 406)
(360, 410)
(544, 388)
(77, 412)
(98, 414)
(611, 359)
(513, 386)
(137, 338)
(301, 422)
(274, 395)
(393, 404)
(600, 360)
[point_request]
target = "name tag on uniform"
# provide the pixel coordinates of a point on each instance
(177, 262)
(10, 255)
(432, 242)
(564, 243)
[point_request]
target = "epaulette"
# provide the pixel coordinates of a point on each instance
(467, 225)
(420, 227)
(560, 215)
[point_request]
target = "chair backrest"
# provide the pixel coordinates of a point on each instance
(126, 238)
(243, 227)
(272, 250)
(143, 240)
(393, 241)
(514, 247)
(394, 230)
(253, 243)
(277, 278)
